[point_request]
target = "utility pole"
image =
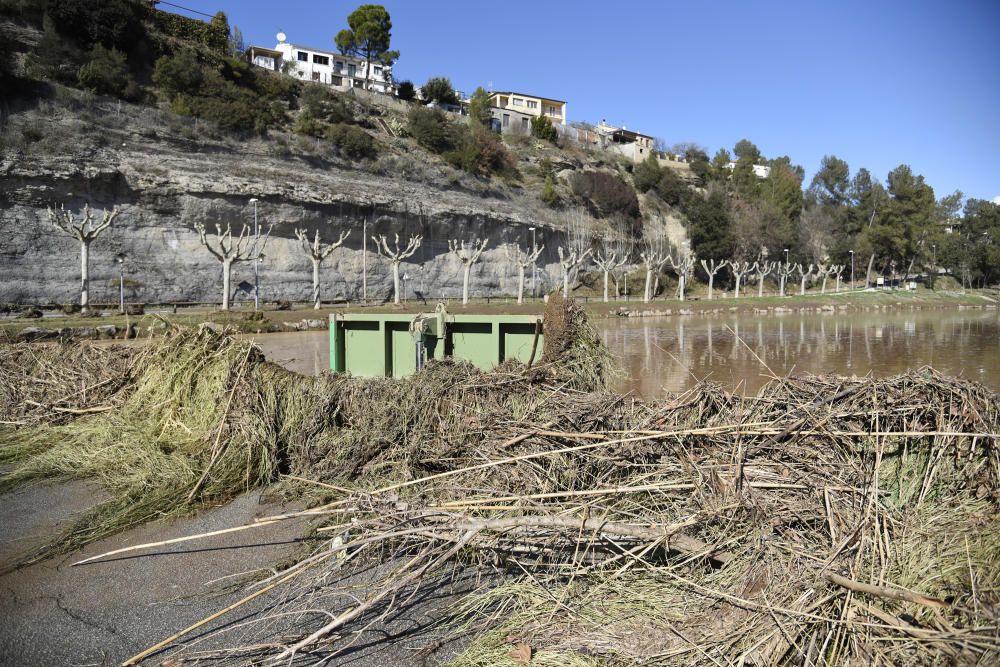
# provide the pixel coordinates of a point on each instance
(120, 258)
(256, 263)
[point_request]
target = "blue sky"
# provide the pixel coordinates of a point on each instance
(875, 83)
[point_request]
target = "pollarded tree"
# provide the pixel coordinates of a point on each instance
(85, 231)
(396, 255)
(804, 274)
(763, 269)
(522, 259)
(317, 253)
(712, 267)
(838, 270)
(683, 264)
(570, 261)
(785, 270)
(654, 255)
(740, 269)
(467, 255)
(245, 248)
(575, 250)
(607, 260)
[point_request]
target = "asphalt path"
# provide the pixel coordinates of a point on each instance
(105, 612)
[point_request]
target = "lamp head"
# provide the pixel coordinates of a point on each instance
(120, 258)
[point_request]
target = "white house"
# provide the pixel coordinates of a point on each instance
(759, 170)
(323, 66)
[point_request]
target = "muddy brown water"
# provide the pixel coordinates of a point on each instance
(742, 352)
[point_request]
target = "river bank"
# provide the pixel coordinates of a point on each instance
(53, 323)
(589, 518)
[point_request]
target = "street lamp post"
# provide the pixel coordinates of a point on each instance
(852, 269)
(256, 269)
(534, 262)
(120, 258)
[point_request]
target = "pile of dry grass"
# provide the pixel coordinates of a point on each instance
(824, 521)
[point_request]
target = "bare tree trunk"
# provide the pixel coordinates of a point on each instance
(711, 285)
(838, 282)
(781, 285)
(565, 283)
(395, 282)
(316, 264)
(681, 285)
(868, 273)
(465, 283)
(802, 287)
(649, 284)
(605, 285)
(823, 289)
(656, 284)
(227, 270)
(760, 286)
(520, 283)
(738, 285)
(84, 276)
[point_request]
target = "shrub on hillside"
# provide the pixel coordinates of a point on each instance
(438, 89)
(406, 91)
(56, 58)
(306, 124)
(432, 129)
(180, 73)
(605, 194)
(352, 141)
(548, 195)
(541, 128)
(106, 72)
(325, 105)
(647, 174)
(481, 153)
(672, 189)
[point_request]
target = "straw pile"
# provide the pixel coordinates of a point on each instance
(824, 521)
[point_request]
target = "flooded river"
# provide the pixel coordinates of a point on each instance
(741, 352)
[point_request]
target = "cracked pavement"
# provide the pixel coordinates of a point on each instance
(104, 612)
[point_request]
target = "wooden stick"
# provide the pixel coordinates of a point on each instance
(883, 592)
(176, 540)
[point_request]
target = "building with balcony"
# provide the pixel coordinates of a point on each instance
(530, 105)
(323, 66)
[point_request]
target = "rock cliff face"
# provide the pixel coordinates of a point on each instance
(164, 180)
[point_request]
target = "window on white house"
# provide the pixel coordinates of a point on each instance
(377, 70)
(351, 69)
(321, 60)
(552, 110)
(532, 104)
(303, 56)
(338, 67)
(518, 102)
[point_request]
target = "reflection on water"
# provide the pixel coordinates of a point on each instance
(741, 352)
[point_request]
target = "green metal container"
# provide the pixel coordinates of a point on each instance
(396, 345)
